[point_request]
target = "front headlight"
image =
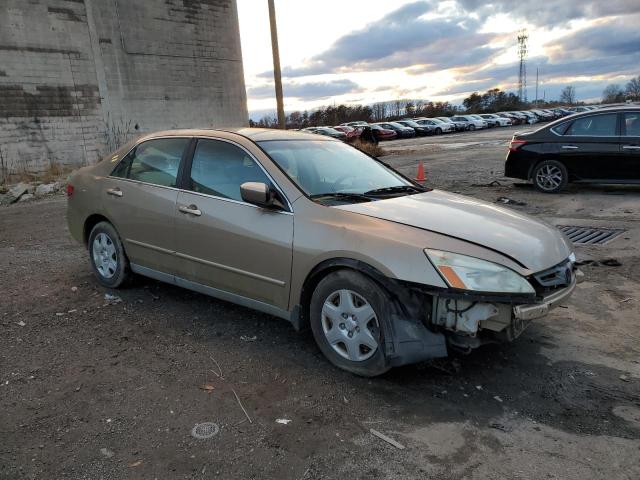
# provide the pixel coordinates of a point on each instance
(469, 273)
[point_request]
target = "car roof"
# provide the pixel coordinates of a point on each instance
(253, 134)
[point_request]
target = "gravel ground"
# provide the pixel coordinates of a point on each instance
(92, 388)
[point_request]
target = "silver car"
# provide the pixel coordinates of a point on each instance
(384, 271)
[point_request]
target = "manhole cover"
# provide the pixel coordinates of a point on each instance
(590, 235)
(205, 430)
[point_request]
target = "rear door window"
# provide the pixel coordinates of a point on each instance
(154, 161)
(594, 126)
(219, 168)
(631, 124)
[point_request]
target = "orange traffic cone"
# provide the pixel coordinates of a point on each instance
(420, 176)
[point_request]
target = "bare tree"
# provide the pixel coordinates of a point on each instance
(568, 95)
(633, 89)
(612, 94)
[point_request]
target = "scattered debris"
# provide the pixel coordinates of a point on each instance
(624, 378)
(479, 387)
(497, 398)
(136, 464)
(626, 300)
(106, 452)
(205, 430)
(22, 324)
(390, 441)
(241, 406)
(248, 339)
(207, 388)
(495, 183)
(47, 189)
(220, 375)
(283, 421)
(499, 426)
(26, 197)
(74, 289)
(510, 201)
(112, 299)
(15, 192)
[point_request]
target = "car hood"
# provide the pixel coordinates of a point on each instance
(534, 244)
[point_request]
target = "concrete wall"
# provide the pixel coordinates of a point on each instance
(80, 77)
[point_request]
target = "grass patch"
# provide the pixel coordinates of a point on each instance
(369, 148)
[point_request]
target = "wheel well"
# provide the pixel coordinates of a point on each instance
(323, 269)
(89, 223)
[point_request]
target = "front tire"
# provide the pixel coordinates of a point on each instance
(346, 316)
(550, 176)
(472, 127)
(438, 131)
(107, 257)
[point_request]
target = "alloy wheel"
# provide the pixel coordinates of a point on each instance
(549, 177)
(350, 325)
(105, 256)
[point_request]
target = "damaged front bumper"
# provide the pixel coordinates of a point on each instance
(471, 322)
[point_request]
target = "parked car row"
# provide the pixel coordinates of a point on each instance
(423, 126)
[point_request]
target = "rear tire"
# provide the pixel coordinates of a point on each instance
(438, 131)
(472, 127)
(346, 316)
(550, 176)
(107, 256)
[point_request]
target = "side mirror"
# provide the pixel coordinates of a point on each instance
(258, 193)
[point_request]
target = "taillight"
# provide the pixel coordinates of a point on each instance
(69, 190)
(516, 144)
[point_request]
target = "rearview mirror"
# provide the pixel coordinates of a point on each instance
(258, 193)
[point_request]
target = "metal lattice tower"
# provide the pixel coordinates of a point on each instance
(522, 54)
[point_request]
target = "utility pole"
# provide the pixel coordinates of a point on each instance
(277, 74)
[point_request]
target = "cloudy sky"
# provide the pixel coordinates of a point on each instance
(363, 51)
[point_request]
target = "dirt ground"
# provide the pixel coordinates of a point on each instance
(98, 389)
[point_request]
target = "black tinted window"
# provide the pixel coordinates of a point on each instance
(219, 168)
(154, 161)
(632, 124)
(594, 125)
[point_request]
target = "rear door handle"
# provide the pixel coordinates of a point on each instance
(569, 147)
(191, 210)
(116, 192)
(631, 147)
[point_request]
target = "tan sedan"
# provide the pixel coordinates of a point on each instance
(307, 228)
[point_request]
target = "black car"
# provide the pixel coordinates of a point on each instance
(421, 130)
(402, 130)
(601, 146)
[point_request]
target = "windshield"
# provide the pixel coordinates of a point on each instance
(410, 123)
(326, 167)
(396, 124)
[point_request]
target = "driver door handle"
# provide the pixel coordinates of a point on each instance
(190, 210)
(116, 192)
(569, 147)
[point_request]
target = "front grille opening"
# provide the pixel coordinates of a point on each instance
(590, 235)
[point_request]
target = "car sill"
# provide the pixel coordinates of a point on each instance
(212, 292)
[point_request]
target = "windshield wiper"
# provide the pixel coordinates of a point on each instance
(341, 195)
(395, 189)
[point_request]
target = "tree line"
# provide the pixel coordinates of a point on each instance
(614, 93)
(493, 100)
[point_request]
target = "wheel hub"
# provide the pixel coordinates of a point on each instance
(350, 325)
